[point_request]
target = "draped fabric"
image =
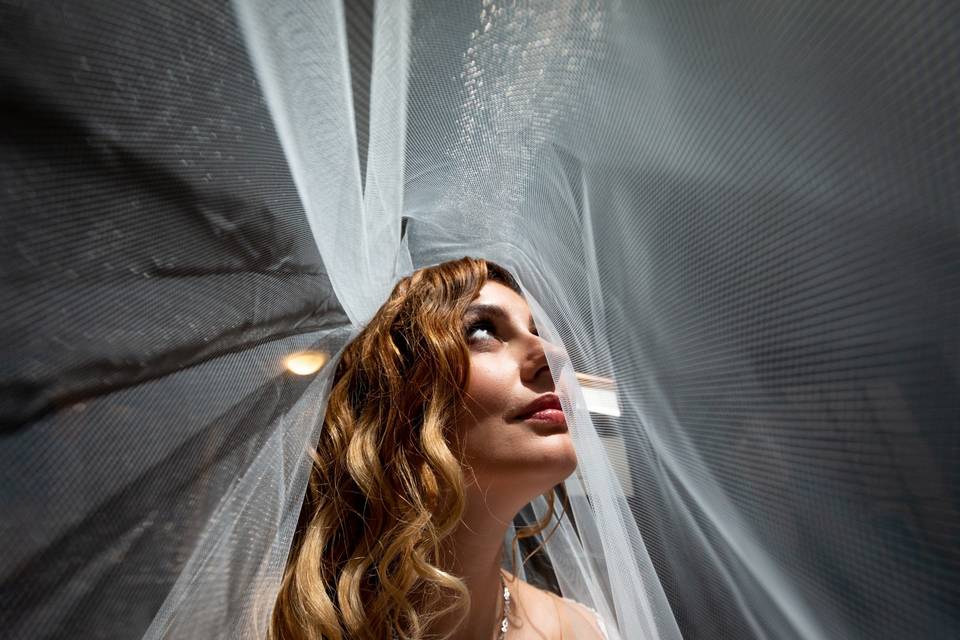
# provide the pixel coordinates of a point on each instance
(737, 221)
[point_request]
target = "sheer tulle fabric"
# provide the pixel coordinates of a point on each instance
(736, 222)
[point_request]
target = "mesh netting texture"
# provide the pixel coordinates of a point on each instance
(740, 216)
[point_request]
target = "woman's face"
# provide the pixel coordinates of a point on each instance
(516, 442)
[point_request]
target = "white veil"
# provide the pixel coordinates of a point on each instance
(738, 219)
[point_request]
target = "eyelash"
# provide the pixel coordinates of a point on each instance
(488, 326)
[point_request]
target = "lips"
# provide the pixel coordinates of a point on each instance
(546, 409)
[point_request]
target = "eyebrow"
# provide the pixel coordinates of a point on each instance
(492, 310)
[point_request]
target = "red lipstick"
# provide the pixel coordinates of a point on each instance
(545, 409)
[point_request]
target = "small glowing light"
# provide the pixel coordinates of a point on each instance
(305, 363)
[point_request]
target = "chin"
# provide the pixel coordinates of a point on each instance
(559, 459)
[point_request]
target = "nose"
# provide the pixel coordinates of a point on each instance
(534, 369)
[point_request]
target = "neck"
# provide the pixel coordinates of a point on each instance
(474, 552)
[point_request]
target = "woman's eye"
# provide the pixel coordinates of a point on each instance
(480, 331)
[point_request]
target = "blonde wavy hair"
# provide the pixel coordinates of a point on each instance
(387, 485)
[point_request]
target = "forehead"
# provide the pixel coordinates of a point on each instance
(496, 294)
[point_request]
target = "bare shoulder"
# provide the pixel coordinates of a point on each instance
(533, 613)
(541, 615)
(579, 621)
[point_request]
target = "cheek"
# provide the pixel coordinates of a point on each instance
(483, 429)
(488, 391)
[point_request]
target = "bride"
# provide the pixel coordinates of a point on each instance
(443, 422)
